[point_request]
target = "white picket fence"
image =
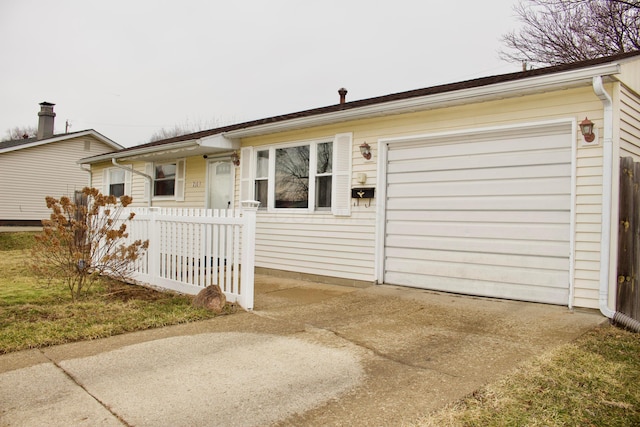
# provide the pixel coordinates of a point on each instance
(190, 249)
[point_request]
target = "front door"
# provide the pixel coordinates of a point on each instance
(220, 185)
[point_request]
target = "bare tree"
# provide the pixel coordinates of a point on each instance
(563, 31)
(19, 132)
(186, 128)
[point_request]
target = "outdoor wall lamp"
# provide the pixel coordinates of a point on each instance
(235, 158)
(586, 128)
(365, 150)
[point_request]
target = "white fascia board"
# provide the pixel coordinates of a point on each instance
(174, 147)
(219, 141)
(519, 87)
(58, 138)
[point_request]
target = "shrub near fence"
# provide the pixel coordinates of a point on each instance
(190, 249)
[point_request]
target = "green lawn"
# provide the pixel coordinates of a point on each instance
(34, 313)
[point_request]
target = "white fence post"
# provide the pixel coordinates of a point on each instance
(154, 244)
(249, 211)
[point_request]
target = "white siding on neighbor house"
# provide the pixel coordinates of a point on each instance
(30, 174)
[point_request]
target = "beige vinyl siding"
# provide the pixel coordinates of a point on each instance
(629, 124)
(588, 225)
(321, 244)
(318, 244)
(29, 175)
(574, 103)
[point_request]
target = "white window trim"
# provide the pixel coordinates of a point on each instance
(341, 175)
(106, 181)
(179, 186)
(313, 155)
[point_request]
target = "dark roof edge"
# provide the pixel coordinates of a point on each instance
(449, 87)
(19, 143)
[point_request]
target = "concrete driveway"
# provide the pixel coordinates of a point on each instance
(310, 354)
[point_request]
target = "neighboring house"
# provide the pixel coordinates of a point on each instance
(33, 168)
(482, 187)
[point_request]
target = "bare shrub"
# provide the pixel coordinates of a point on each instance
(84, 239)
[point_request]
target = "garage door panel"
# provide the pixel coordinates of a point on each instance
(523, 172)
(509, 231)
(471, 147)
(485, 273)
(490, 216)
(517, 247)
(523, 217)
(464, 163)
(483, 258)
(475, 203)
(550, 295)
(474, 187)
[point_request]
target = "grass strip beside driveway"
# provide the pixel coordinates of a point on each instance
(592, 382)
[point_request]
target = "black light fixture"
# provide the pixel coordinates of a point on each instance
(586, 128)
(235, 158)
(365, 150)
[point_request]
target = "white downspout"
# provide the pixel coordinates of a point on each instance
(90, 175)
(131, 169)
(607, 174)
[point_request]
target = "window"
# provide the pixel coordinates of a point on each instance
(168, 180)
(164, 179)
(323, 174)
(262, 178)
(307, 177)
(116, 182)
(294, 177)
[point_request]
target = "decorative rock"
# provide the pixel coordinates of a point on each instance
(212, 298)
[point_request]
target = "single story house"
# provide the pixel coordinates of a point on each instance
(487, 187)
(46, 165)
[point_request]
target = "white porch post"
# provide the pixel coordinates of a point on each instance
(249, 211)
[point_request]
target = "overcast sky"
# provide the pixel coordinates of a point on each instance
(127, 68)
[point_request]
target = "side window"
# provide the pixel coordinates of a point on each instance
(116, 182)
(324, 160)
(164, 179)
(262, 178)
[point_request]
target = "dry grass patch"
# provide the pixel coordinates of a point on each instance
(592, 382)
(36, 314)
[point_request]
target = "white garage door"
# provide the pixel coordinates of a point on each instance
(485, 216)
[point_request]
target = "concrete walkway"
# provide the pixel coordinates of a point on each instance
(310, 354)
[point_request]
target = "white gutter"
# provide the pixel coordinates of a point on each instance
(607, 172)
(131, 169)
(607, 175)
(141, 151)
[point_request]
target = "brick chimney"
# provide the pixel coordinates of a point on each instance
(45, 120)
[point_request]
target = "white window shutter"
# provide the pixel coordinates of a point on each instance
(127, 183)
(341, 181)
(148, 188)
(246, 174)
(105, 182)
(180, 180)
